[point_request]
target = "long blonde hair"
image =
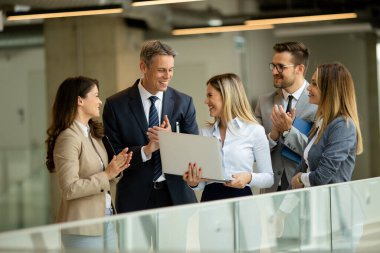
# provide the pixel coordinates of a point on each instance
(337, 98)
(235, 102)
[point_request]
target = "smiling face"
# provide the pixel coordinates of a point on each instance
(287, 77)
(158, 74)
(90, 104)
(214, 101)
(314, 91)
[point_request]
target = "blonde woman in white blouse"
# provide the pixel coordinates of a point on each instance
(242, 142)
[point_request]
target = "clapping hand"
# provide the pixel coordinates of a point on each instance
(281, 120)
(118, 163)
(152, 133)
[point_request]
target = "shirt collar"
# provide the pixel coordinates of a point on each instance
(85, 128)
(146, 94)
(235, 123)
(297, 94)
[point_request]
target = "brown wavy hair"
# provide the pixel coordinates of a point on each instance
(65, 109)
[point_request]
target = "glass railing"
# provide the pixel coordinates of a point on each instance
(335, 218)
(24, 188)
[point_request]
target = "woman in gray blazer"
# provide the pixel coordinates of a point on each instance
(76, 152)
(335, 138)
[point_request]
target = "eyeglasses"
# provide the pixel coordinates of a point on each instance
(279, 67)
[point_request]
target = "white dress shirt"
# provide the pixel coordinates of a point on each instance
(244, 144)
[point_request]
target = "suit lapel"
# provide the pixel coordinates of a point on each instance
(277, 99)
(167, 104)
(302, 103)
(94, 145)
(136, 107)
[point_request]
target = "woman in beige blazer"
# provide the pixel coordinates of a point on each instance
(76, 153)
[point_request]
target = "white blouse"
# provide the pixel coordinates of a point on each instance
(244, 144)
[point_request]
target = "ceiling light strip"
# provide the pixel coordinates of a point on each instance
(219, 29)
(64, 14)
(275, 21)
(152, 2)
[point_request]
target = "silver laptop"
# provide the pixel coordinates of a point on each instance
(178, 150)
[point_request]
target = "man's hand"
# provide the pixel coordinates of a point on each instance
(152, 133)
(281, 120)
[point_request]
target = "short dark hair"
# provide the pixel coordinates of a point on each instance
(155, 47)
(298, 50)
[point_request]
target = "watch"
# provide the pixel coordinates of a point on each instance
(285, 133)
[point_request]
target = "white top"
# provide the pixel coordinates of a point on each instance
(86, 133)
(244, 144)
(305, 176)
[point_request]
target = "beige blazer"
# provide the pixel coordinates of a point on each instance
(82, 181)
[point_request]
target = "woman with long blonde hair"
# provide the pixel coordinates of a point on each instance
(242, 142)
(335, 139)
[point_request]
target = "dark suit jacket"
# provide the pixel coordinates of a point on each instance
(126, 126)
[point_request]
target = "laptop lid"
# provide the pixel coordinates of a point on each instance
(178, 150)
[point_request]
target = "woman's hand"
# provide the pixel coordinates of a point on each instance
(193, 175)
(240, 180)
(296, 181)
(118, 163)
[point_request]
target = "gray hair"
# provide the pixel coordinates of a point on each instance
(154, 47)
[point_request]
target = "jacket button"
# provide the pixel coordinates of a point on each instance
(101, 190)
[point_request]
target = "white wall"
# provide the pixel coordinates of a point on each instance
(198, 59)
(23, 99)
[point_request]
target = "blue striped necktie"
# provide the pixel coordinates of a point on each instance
(153, 121)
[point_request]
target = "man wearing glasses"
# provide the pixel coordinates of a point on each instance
(277, 110)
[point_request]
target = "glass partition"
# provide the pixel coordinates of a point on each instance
(24, 188)
(334, 218)
(355, 215)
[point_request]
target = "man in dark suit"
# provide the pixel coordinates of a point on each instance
(127, 120)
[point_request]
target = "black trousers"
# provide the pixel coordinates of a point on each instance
(159, 196)
(216, 191)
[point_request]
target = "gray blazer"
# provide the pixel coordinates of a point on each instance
(295, 140)
(332, 159)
